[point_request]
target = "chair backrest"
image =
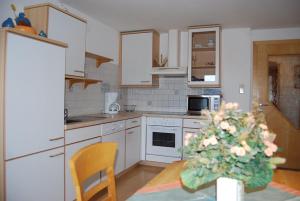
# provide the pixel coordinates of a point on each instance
(90, 160)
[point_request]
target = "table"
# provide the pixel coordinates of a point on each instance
(166, 186)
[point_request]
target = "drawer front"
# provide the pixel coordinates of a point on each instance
(113, 127)
(130, 123)
(195, 123)
(80, 134)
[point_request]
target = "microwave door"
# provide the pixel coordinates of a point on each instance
(196, 104)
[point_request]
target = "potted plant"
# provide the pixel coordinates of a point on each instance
(236, 149)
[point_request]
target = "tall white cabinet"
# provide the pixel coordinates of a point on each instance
(63, 26)
(32, 124)
(139, 50)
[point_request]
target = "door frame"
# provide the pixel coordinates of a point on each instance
(261, 51)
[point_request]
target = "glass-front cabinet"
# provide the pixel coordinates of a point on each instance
(204, 57)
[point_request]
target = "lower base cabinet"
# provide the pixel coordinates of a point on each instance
(36, 177)
(70, 151)
(118, 137)
(133, 146)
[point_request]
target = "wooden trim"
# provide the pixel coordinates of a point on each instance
(126, 170)
(57, 8)
(35, 37)
(204, 26)
(99, 59)
(39, 18)
(153, 163)
(2, 118)
(138, 31)
(138, 86)
(204, 85)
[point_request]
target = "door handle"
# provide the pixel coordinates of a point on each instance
(145, 81)
(59, 154)
(130, 132)
(57, 138)
(79, 71)
(264, 104)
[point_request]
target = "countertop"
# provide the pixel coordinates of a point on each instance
(127, 115)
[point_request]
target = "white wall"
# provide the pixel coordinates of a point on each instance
(236, 65)
(275, 34)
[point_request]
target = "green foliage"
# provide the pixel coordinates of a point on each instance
(235, 144)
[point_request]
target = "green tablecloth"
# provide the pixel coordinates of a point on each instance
(208, 194)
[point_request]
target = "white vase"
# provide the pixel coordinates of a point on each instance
(229, 189)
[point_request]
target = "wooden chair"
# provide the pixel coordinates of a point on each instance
(87, 162)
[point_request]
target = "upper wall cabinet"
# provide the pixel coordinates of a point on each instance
(63, 26)
(139, 50)
(204, 57)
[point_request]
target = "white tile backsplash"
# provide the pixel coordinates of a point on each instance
(170, 96)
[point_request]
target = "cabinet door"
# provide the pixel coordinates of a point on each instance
(36, 177)
(34, 96)
(72, 31)
(133, 146)
(137, 59)
(119, 138)
(204, 57)
(70, 151)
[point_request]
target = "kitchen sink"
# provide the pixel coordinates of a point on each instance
(83, 118)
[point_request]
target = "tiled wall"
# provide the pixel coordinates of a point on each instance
(169, 97)
(81, 101)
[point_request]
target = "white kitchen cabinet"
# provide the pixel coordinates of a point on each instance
(138, 52)
(63, 26)
(70, 151)
(36, 177)
(34, 95)
(119, 138)
(133, 146)
(204, 56)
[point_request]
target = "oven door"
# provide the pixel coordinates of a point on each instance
(198, 103)
(164, 141)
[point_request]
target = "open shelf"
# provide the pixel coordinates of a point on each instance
(99, 59)
(204, 49)
(73, 80)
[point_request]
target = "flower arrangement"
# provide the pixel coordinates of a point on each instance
(235, 144)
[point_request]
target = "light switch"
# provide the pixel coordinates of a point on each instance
(242, 88)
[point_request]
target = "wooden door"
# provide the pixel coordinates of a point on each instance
(266, 91)
(36, 177)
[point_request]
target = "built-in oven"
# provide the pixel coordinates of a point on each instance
(164, 139)
(197, 103)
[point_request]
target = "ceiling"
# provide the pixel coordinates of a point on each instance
(162, 15)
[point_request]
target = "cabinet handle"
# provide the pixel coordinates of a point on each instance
(189, 132)
(196, 122)
(134, 121)
(59, 154)
(145, 81)
(78, 71)
(131, 132)
(57, 138)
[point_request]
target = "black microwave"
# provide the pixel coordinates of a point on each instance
(197, 103)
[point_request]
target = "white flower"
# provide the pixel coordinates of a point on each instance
(232, 129)
(263, 126)
(239, 151)
(235, 106)
(217, 119)
(224, 125)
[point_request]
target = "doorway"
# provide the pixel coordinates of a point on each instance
(276, 86)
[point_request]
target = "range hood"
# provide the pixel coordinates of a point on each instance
(172, 68)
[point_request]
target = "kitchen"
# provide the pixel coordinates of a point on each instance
(160, 97)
